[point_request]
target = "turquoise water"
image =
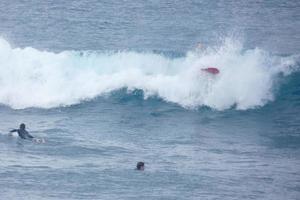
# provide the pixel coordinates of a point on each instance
(108, 84)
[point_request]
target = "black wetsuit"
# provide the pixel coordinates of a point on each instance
(22, 133)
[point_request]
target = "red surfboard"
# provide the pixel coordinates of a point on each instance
(211, 70)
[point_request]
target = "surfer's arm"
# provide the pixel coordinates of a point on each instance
(30, 136)
(10, 132)
(27, 135)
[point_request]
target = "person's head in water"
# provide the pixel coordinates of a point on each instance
(22, 126)
(140, 166)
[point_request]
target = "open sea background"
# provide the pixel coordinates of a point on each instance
(111, 83)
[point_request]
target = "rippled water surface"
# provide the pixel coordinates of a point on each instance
(108, 84)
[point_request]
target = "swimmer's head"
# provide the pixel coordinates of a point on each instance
(22, 126)
(140, 166)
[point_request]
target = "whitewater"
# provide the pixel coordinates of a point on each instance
(46, 79)
(108, 84)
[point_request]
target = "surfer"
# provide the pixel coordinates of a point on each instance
(22, 132)
(140, 166)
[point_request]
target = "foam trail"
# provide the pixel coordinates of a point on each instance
(33, 78)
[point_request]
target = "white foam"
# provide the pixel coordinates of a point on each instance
(33, 78)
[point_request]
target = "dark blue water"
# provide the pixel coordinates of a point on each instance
(108, 84)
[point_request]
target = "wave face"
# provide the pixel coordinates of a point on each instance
(33, 78)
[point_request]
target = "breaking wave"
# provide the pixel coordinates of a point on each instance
(247, 78)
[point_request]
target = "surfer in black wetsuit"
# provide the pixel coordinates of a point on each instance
(22, 132)
(140, 166)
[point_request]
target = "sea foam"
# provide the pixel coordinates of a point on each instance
(33, 78)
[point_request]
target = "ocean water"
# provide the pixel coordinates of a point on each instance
(111, 83)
